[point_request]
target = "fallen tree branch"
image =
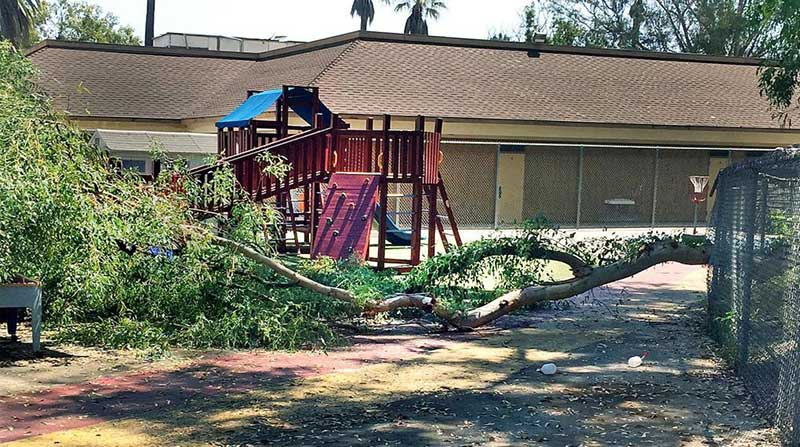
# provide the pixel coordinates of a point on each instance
(394, 302)
(651, 255)
(657, 253)
(282, 270)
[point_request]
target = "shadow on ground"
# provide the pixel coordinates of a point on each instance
(482, 389)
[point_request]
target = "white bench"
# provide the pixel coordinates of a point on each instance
(25, 295)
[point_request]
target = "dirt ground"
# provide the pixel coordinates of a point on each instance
(407, 387)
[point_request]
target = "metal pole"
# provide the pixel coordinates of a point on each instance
(694, 221)
(150, 21)
(580, 189)
(655, 189)
(743, 331)
(497, 188)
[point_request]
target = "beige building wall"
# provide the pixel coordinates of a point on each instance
(617, 186)
(675, 167)
(130, 124)
(469, 172)
(551, 184)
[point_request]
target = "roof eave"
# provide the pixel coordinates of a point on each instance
(396, 38)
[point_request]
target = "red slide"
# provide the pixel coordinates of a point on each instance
(346, 219)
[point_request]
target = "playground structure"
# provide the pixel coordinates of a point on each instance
(338, 178)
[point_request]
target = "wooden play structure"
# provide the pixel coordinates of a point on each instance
(338, 179)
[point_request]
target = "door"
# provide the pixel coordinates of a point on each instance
(510, 186)
(715, 165)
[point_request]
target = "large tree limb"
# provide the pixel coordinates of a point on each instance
(500, 247)
(282, 270)
(651, 255)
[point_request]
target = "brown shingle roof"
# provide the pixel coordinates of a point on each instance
(372, 73)
(136, 85)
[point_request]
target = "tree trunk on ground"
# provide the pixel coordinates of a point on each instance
(649, 256)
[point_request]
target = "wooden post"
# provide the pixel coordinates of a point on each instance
(314, 219)
(315, 106)
(418, 148)
(433, 213)
(335, 155)
(285, 113)
(318, 121)
(432, 220)
(371, 161)
(384, 192)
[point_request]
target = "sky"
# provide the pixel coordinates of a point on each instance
(307, 20)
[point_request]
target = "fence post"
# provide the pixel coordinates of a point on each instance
(764, 215)
(749, 224)
(788, 398)
(655, 188)
(580, 189)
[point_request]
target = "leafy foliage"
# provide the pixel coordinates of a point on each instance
(779, 81)
(721, 27)
(457, 277)
(80, 21)
(16, 17)
(111, 253)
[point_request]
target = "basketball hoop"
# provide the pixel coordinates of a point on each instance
(697, 194)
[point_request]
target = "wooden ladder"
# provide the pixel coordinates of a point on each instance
(451, 218)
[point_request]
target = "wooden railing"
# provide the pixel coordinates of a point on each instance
(409, 154)
(235, 140)
(306, 155)
(400, 156)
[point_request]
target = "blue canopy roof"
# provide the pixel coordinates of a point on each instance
(255, 105)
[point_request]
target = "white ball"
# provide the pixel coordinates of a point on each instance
(548, 369)
(635, 361)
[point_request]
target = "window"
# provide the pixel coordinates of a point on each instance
(139, 166)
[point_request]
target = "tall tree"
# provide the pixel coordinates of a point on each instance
(17, 18)
(84, 22)
(364, 9)
(723, 27)
(780, 77)
(420, 11)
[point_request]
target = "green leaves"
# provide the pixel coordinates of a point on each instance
(780, 76)
(80, 21)
(110, 249)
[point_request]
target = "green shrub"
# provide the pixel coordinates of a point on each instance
(87, 232)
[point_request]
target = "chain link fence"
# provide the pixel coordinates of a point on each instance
(754, 288)
(577, 186)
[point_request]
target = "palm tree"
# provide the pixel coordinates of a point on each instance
(364, 9)
(421, 10)
(16, 17)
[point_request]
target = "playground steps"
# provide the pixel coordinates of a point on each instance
(346, 220)
(305, 155)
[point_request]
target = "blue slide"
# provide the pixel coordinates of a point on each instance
(394, 235)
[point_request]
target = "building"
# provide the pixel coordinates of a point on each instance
(583, 136)
(220, 43)
(133, 148)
